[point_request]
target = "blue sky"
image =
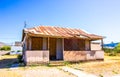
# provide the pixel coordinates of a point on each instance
(100, 17)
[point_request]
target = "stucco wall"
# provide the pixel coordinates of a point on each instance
(96, 46)
(74, 55)
(82, 55)
(36, 57)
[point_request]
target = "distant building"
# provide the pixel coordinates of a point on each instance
(17, 43)
(17, 46)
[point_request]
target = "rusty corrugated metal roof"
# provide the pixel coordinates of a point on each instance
(60, 32)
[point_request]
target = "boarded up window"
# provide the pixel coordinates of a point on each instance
(81, 44)
(74, 44)
(37, 43)
(67, 44)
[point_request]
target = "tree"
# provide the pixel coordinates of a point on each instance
(117, 48)
(5, 48)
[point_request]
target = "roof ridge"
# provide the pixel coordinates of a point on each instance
(60, 31)
(55, 26)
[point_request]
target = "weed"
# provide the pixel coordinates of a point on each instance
(48, 65)
(20, 58)
(100, 75)
(66, 63)
(115, 72)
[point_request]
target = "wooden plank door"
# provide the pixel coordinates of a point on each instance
(52, 48)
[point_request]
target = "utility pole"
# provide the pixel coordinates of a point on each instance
(25, 25)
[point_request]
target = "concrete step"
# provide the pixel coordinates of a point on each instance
(57, 63)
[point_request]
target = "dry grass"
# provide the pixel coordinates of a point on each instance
(43, 71)
(9, 74)
(110, 66)
(5, 61)
(8, 57)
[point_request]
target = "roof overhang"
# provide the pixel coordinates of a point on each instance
(57, 32)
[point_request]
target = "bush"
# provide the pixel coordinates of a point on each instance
(20, 58)
(107, 50)
(117, 48)
(5, 48)
(110, 52)
(19, 51)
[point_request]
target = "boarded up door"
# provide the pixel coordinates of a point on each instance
(52, 48)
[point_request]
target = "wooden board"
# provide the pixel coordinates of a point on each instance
(81, 44)
(37, 43)
(52, 48)
(74, 44)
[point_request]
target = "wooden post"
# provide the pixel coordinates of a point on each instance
(26, 45)
(102, 43)
(63, 47)
(48, 49)
(63, 44)
(48, 43)
(30, 43)
(90, 45)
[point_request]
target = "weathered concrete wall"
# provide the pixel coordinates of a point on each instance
(82, 55)
(91, 55)
(35, 57)
(74, 55)
(99, 55)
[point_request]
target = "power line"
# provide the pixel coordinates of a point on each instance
(9, 38)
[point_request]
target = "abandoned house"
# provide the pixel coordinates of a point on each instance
(42, 44)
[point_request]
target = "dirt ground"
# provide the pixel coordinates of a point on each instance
(107, 68)
(40, 71)
(29, 71)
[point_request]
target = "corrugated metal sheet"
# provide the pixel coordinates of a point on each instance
(60, 32)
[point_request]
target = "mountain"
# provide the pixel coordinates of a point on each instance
(2, 44)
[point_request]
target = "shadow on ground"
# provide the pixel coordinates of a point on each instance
(6, 63)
